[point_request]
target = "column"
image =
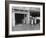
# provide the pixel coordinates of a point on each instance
(24, 19)
(35, 21)
(13, 19)
(32, 21)
(28, 19)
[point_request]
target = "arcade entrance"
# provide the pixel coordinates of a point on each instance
(19, 18)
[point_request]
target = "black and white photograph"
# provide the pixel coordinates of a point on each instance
(25, 19)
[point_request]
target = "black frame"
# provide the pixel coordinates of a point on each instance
(7, 18)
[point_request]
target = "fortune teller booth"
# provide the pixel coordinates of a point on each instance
(26, 15)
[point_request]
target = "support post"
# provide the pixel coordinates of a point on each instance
(35, 21)
(28, 19)
(13, 19)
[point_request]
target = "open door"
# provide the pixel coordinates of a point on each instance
(18, 18)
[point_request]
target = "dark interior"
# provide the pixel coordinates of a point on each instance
(35, 14)
(18, 18)
(38, 21)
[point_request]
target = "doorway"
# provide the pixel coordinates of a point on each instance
(18, 18)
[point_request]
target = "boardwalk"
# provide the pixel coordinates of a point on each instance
(24, 27)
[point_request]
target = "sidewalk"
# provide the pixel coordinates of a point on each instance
(24, 27)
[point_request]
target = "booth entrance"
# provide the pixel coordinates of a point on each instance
(19, 18)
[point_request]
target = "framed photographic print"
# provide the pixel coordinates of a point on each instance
(24, 18)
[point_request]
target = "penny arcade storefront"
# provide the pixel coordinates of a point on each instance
(25, 15)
